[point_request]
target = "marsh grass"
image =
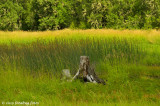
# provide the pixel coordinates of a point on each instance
(31, 65)
(64, 53)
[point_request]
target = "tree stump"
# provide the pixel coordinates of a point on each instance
(87, 73)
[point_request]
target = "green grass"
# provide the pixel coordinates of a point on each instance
(30, 68)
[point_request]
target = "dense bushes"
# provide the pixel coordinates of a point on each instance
(83, 14)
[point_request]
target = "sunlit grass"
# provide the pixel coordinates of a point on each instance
(31, 65)
(24, 36)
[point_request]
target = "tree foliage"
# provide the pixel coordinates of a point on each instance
(83, 14)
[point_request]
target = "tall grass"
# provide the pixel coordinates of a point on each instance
(65, 53)
(31, 64)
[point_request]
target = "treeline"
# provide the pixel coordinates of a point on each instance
(82, 14)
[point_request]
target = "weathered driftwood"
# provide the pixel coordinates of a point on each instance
(87, 73)
(66, 75)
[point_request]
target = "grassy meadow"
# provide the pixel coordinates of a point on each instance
(31, 64)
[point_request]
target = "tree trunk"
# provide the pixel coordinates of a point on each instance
(87, 73)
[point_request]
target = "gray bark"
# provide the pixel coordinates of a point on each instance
(87, 73)
(66, 75)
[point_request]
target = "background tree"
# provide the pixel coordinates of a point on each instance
(83, 14)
